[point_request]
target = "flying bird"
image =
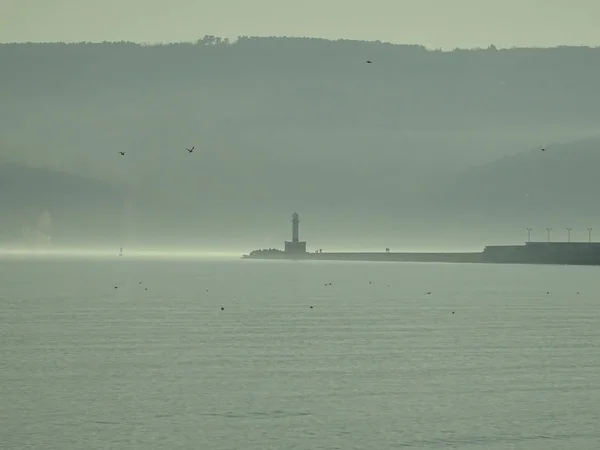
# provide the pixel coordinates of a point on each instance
(369, 62)
(190, 150)
(121, 153)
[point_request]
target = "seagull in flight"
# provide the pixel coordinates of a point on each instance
(121, 153)
(190, 150)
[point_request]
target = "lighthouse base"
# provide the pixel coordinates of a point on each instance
(295, 247)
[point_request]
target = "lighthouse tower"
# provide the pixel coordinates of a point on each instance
(295, 246)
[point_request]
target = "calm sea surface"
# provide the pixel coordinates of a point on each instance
(377, 363)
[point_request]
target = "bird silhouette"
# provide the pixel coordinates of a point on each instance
(121, 153)
(543, 149)
(190, 150)
(369, 62)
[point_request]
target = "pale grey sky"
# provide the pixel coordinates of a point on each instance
(434, 23)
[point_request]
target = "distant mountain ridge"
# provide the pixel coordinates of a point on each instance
(58, 203)
(561, 181)
(285, 124)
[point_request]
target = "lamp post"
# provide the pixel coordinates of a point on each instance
(589, 235)
(529, 234)
(569, 234)
(548, 230)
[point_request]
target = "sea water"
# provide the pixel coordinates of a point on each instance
(147, 354)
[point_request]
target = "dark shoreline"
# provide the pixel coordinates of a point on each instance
(561, 253)
(378, 256)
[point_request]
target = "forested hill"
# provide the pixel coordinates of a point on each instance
(284, 124)
(557, 187)
(80, 208)
(403, 88)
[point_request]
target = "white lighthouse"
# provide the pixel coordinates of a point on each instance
(295, 245)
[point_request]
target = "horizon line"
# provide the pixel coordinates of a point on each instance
(241, 38)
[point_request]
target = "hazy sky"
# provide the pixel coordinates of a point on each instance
(434, 23)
